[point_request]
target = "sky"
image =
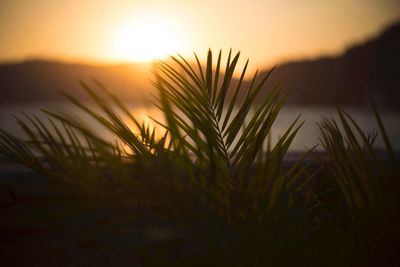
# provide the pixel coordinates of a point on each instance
(265, 31)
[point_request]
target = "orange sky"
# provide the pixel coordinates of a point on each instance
(265, 31)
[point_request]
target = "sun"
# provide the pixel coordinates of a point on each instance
(147, 38)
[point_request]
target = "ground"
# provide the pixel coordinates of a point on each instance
(42, 225)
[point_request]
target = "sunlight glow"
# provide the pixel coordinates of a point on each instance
(147, 38)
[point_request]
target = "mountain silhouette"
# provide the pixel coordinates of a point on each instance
(370, 67)
(41, 81)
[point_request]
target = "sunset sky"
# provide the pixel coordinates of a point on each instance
(265, 31)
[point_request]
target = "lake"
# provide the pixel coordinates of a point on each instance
(307, 137)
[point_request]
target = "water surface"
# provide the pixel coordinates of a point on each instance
(307, 137)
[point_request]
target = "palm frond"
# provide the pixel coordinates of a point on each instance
(212, 115)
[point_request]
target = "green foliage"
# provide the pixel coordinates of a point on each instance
(369, 188)
(211, 169)
(241, 181)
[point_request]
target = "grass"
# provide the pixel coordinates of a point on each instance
(212, 171)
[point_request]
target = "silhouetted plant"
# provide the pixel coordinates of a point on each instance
(212, 169)
(368, 188)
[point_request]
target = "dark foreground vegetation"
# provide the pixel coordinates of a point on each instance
(212, 174)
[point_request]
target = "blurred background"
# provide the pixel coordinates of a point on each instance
(327, 53)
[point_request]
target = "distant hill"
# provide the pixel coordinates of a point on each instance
(345, 79)
(39, 81)
(372, 67)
